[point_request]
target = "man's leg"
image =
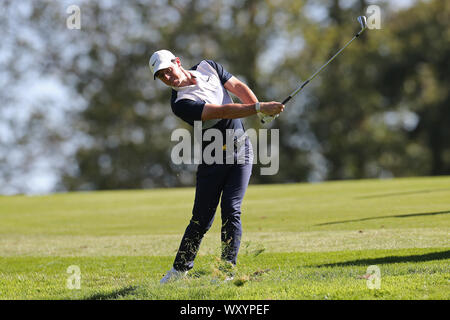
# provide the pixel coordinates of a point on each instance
(232, 196)
(210, 181)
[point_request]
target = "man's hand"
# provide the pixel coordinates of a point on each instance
(271, 108)
(270, 111)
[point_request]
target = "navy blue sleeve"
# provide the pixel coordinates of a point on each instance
(186, 109)
(224, 75)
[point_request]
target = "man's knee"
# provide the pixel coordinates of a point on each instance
(231, 209)
(231, 223)
(200, 227)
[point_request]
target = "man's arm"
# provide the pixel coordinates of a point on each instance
(227, 111)
(237, 110)
(240, 90)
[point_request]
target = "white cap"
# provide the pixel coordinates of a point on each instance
(161, 59)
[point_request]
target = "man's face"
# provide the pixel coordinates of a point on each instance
(171, 76)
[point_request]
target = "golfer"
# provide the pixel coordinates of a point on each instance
(201, 94)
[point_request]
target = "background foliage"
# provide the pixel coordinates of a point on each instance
(82, 106)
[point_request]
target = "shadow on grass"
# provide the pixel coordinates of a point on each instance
(383, 217)
(394, 194)
(442, 255)
(114, 294)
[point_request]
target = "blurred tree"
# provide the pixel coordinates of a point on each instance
(380, 109)
(416, 78)
(364, 123)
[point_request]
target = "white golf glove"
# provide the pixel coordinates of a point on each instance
(265, 119)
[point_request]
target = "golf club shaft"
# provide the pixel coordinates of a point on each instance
(320, 69)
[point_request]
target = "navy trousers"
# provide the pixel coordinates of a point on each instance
(213, 181)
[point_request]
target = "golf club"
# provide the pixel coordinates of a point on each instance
(363, 22)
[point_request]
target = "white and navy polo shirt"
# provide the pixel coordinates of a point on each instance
(188, 102)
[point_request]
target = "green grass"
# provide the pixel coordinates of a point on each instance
(300, 241)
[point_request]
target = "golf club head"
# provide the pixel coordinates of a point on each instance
(363, 22)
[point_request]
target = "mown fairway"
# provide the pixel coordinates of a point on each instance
(300, 241)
